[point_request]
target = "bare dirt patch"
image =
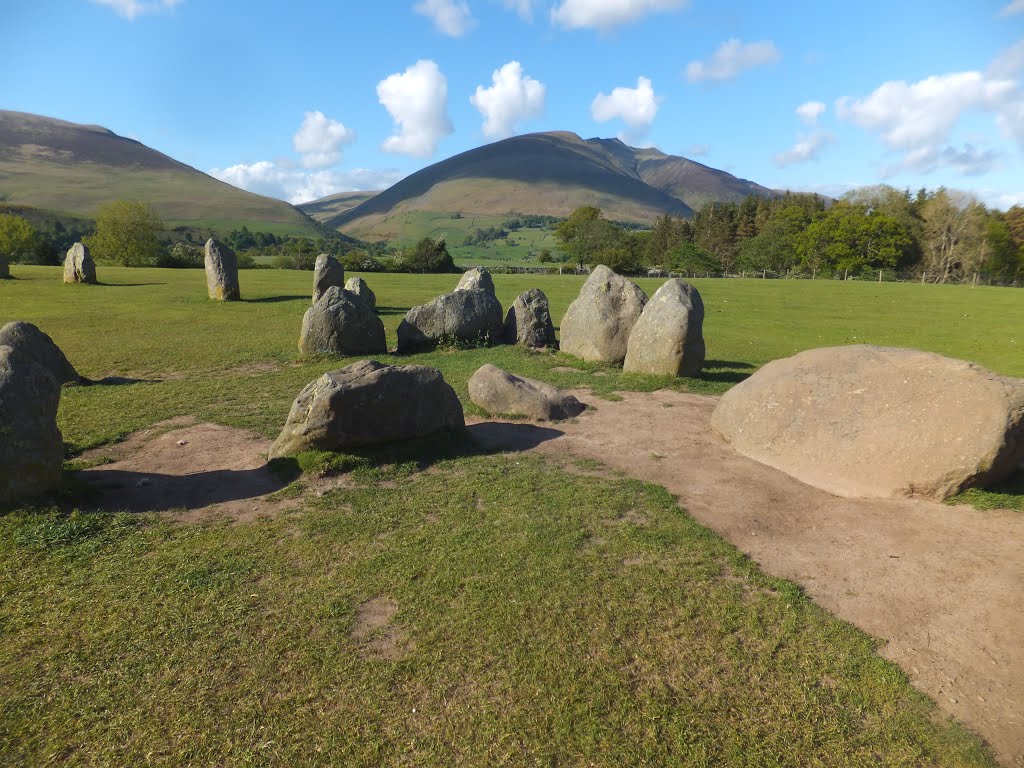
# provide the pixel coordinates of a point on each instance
(374, 628)
(940, 585)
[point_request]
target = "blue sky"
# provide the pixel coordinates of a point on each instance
(302, 99)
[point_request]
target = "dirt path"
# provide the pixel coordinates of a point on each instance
(942, 586)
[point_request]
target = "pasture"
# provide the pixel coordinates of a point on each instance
(469, 609)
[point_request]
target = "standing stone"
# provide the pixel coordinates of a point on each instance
(468, 316)
(326, 272)
(503, 393)
(367, 403)
(31, 446)
(668, 339)
(79, 266)
(5, 269)
(342, 324)
(476, 279)
(597, 325)
(221, 272)
(359, 287)
(528, 321)
(29, 343)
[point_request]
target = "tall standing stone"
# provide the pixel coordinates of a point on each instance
(668, 339)
(476, 279)
(359, 287)
(528, 321)
(327, 272)
(597, 325)
(342, 324)
(79, 266)
(221, 272)
(29, 343)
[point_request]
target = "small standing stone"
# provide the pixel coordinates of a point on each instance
(327, 272)
(79, 266)
(221, 272)
(500, 392)
(476, 279)
(342, 324)
(528, 321)
(359, 287)
(668, 339)
(597, 325)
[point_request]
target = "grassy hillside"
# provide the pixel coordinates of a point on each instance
(693, 183)
(328, 207)
(60, 166)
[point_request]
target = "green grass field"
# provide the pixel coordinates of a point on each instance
(543, 614)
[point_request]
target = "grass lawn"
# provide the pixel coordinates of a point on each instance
(490, 611)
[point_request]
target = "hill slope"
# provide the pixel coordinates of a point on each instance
(328, 207)
(547, 173)
(56, 165)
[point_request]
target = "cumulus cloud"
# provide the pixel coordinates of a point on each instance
(636, 107)
(1017, 6)
(605, 14)
(417, 101)
(732, 58)
(130, 9)
(810, 111)
(286, 182)
(451, 17)
(523, 7)
(1008, 63)
(808, 147)
(512, 98)
(319, 140)
(698, 150)
(967, 161)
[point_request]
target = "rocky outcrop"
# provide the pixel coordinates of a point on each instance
(27, 342)
(597, 325)
(221, 272)
(865, 421)
(342, 324)
(463, 316)
(528, 321)
(668, 339)
(359, 287)
(367, 403)
(476, 279)
(79, 266)
(502, 393)
(327, 272)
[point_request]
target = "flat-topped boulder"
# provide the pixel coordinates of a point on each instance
(878, 422)
(597, 325)
(476, 279)
(528, 321)
(29, 343)
(368, 403)
(462, 316)
(327, 272)
(79, 266)
(358, 286)
(668, 339)
(341, 323)
(502, 393)
(221, 272)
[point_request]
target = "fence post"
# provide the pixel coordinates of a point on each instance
(975, 281)
(879, 275)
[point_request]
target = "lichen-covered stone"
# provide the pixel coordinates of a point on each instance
(221, 272)
(597, 325)
(528, 321)
(668, 339)
(342, 324)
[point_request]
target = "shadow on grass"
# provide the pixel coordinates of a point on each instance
(127, 285)
(277, 299)
(724, 377)
(1008, 494)
(392, 310)
(728, 364)
(116, 381)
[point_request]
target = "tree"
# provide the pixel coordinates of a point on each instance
(585, 234)
(774, 247)
(18, 238)
(428, 255)
(953, 235)
(849, 238)
(1004, 258)
(688, 258)
(127, 233)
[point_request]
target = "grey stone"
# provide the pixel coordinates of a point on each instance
(31, 446)
(528, 321)
(500, 392)
(467, 316)
(221, 272)
(5, 269)
(597, 325)
(668, 339)
(79, 266)
(367, 403)
(476, 279)
(327, 272)
(878, 422)
(342, 324)
(359, 287)
(30, 343)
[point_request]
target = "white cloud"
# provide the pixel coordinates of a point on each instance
(1008, 63)
(513, 98)
(130, 9)
(732, 58)
(605, 14)
(698, 150)
(636, 107)
(810, 111)
(319, 140)
(807, 148)
(417, 101)
(286, 182)
(523, 7)
(1017, 6)
(968, 161)
(451, 17)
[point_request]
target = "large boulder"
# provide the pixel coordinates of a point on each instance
(476, 279)
(327, 272)
(29, 343)
(359, 287)
(500, 392)
(5, 269)
(221, 272)
(342, 324)
(528, 321)
(79, 266)
(31, 446)
(367, 403)
(865, 421)
(468, 316)
(668, 339)
(597, 325)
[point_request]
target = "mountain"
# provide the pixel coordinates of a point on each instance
(548, 173)
(65, 167)
(328, 207)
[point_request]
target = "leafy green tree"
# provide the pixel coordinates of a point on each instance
(428, 256)
(688, 257)
(18, 238)
(849, 239)
(585, 234)
(774, 247)
(714, 230)
(127, 232)
(545, 256)
(1004, 258)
